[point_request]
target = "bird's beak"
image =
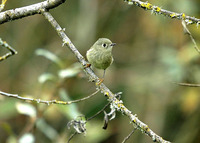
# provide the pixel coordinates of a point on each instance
(113, 44)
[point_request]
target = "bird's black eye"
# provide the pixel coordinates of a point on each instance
(104, 45)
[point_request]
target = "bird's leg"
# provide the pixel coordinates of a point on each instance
(104, 73)
(102, 79)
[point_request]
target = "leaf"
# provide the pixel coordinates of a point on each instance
(45, 128)
(71, 71)
(52, 57)
(27, 138)
(45, 77)
(26, 109)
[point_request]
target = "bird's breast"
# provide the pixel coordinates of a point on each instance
(100, 59)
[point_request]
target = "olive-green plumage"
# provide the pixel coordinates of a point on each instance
(100, 54)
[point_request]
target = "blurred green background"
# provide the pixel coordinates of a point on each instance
(151, 53)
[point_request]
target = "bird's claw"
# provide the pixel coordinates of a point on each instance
(100, 81)
(87, 65)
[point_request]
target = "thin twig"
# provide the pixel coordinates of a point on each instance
(47, 102)
(186, 30)
(12, 50)
(99, 112)
(187, 84)
(70, 138)
(157, 10)
(126, 138)
(116, 103)
(85, 98)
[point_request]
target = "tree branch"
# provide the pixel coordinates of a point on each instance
(18, 13)
(116, 103)
(167, 13)
(47, 102)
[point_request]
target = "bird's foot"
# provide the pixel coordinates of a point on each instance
(87, 65)
(100, 81)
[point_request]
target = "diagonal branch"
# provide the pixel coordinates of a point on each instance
(116, 103)
(186, 30)
(18, 13)
(167, 13)
(126, 138)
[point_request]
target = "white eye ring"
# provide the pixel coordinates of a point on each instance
(104, 45)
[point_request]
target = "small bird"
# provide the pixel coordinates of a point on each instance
(100, 54)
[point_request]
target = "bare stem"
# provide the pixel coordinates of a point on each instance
(157, 10)
(18, 13)
(47, 102)
(12, 51)
(71, 137)
(186, 30)
(99, 112)
(126, 138)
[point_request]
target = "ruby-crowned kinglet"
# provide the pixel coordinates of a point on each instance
(100, 54)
